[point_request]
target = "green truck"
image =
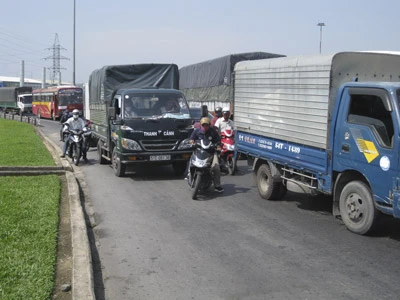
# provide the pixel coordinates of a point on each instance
(138, 116)
(16, 99)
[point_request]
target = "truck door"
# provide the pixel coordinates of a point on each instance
(364, 138)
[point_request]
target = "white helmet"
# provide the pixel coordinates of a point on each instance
(226, 110)
(75, 113)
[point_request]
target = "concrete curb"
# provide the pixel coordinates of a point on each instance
(82, 273)
(82, 269)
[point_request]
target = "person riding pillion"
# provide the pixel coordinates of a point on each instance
(218, 114)
(209, 133)
(75, 123)
(223, 123)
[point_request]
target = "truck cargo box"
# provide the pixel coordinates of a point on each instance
(292, 98)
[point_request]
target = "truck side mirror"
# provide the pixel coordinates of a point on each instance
(111, 113)
(204, 111)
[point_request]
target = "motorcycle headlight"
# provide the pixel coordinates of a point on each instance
(130, 145)
(200, 163)
(185, 144)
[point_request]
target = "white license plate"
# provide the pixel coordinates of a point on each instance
(160, 157)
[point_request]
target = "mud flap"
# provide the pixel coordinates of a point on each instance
(396, 205)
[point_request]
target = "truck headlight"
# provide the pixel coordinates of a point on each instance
(185, 144)
(130, 145)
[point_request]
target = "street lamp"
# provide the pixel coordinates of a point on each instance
(320, 35)
(73, 59)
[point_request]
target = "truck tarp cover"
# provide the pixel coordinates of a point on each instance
(9, 94)
(206, 75)
(103, 82)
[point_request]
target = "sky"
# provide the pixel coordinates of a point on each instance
(184, 32)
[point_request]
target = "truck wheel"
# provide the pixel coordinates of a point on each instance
(357, 207)
(119, 168)
(100, 158)
(179, 167)
(267, 188)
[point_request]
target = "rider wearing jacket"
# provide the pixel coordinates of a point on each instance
(209, 133)
(75, 123)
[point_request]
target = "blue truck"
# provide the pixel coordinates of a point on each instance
(328, 124)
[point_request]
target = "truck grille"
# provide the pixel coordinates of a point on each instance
(159, 145)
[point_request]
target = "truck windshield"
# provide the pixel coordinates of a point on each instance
(155, 106)
(70, 96)
(26, 99)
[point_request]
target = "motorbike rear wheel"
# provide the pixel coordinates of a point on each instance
(196, 185)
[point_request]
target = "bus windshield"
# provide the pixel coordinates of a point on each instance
(70, 96)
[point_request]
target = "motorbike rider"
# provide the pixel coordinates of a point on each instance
(222, 123)
(64, 117)
(218, 114)
(208, 132)
(75, 123)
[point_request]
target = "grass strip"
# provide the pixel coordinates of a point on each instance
(21, 146)
(28, 235)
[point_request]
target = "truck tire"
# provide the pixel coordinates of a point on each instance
(267, 187)
(357, 207)
(179, 167)
(100, 158)
(118, 167)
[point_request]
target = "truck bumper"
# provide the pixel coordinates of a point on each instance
(154, 157)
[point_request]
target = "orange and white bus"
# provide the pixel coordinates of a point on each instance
(52, 101)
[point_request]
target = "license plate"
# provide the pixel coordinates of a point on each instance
(160, 157)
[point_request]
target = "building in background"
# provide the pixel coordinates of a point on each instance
(6, 81)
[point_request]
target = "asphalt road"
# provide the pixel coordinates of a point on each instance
(154, 242)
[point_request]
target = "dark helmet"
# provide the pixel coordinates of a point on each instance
(218, 111)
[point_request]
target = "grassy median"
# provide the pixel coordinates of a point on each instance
(28, 216)
(21, 146)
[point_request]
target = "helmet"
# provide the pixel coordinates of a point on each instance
(205, 120)
(218, 111)
(226, 110)
(75, 112)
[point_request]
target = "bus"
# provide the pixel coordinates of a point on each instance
(50, 102)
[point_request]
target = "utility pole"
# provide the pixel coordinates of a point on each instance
(56, 57)
(73, 60)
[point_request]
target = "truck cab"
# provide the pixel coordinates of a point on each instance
(24, 103)
(365, 149)
(147, 125)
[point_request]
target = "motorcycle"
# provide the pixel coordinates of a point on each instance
(200, 178)
(78, 139)
(227, 153)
